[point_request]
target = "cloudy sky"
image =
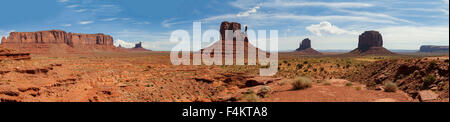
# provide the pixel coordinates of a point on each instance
(405, 24)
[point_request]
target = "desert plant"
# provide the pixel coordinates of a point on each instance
(250, 96)
(358, 88)
(428, 80)
(264, 91)
(349, 84)
(302, 83)
(299, 66)
(390, 87)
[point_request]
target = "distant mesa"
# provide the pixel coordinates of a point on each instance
(57, 41)
(306, 49)
(434, 49)
(137, 47)
(370, 43)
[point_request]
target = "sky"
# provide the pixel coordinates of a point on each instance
(331, 25)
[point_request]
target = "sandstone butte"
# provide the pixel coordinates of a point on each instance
(370, 43)
(57, 40)
(306, 49)
(240, 41)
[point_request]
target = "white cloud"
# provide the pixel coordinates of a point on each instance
(66, 25)
(158, 41)
(109, 19)
(411, 37)
(72, 6)
(170, 22)
(63, 1)
(123, 44)
(376, 15)
(81, 10)
(292, 17)
(327, 27)
(142, 23)
(281, 3)
(86, 22)
(250, 11)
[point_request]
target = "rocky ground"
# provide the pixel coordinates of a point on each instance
(150, 77)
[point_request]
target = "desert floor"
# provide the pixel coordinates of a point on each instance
(150, 77)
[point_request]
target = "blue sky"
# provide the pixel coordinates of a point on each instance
(405, 24)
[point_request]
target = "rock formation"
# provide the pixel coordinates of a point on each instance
(234, 26)
(240, 41)
(137, 48)
(306, 49)
(433, 48)
(45, 39)
(13, 55)
(306, 43)
(371, 42)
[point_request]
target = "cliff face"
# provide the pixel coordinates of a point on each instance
(59, 37)
(433, 48)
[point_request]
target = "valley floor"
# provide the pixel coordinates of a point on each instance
(150, 77)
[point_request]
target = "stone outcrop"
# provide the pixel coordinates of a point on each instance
(433, 48)
(306, 49)
(371, 42)
(58, 37)
(137, 48)
(13, 55)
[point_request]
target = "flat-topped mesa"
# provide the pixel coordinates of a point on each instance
(371, 42)
(59, 37)
(306, 43)
(434, 48)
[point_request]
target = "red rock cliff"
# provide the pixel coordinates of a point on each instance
(59, 37)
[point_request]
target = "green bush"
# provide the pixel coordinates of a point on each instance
(250, 96)
(428, 80)
(265, 91)
(302, 83)
(349, 84)
(390, 87)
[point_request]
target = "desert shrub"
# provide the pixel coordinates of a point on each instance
(302, 83)
(285, 62)
(349, 84)
(299, 66)
(358, 88)
(250, 96)
(432, 65)
(264, 91)
(390, 87)
(428, 80)
(305, 62)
